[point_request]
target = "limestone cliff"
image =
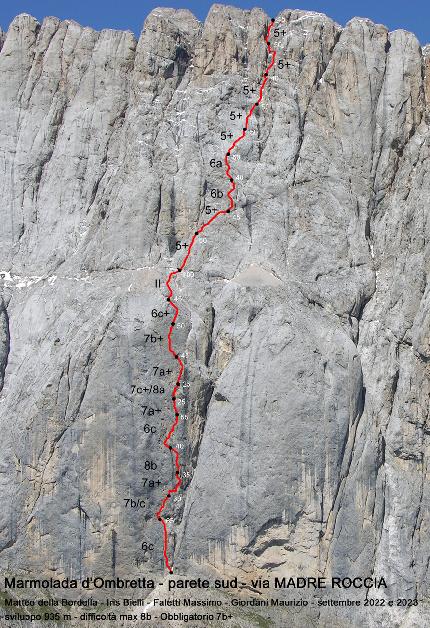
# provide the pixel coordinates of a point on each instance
(305, 317)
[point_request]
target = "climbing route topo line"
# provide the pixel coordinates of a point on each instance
(171, 276)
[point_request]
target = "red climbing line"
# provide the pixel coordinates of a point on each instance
(202, 227)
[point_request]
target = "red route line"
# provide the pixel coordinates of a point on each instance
(202, 227)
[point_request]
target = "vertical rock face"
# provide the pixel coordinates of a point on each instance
(304, 318)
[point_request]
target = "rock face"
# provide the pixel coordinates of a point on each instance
(304, 322)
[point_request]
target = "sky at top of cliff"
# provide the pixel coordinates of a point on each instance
(130, 14)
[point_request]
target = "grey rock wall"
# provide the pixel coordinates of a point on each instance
(305, 321)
